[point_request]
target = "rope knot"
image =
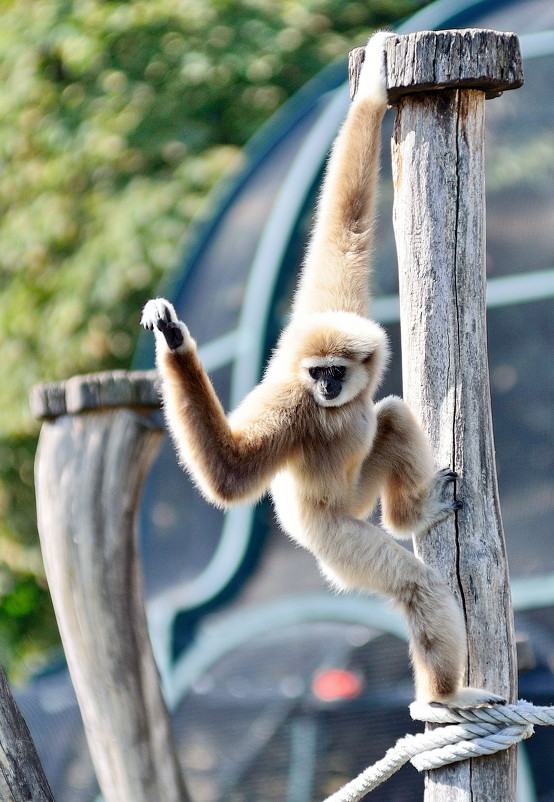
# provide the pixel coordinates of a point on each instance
(464, 734)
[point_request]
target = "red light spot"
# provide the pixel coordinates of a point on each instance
(333, 684)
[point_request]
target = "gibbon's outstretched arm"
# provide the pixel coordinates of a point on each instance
(336, 271)
(228, 465)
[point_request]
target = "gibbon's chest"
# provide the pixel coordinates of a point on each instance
(324, 473)
(326, 468)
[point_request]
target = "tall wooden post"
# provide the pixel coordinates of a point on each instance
(95, 448)
(439, 82)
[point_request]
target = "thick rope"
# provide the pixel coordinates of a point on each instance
(466, 734)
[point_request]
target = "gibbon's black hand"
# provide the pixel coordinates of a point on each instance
(157, 315)
(172, 333)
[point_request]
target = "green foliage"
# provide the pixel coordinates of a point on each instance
(116, 120)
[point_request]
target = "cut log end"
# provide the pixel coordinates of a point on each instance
(428, 61)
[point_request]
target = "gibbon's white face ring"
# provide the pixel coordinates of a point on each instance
(355, 380)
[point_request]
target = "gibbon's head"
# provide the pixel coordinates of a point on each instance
(339, 355)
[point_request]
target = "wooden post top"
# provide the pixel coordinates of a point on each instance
(471, 58)
(117, 388)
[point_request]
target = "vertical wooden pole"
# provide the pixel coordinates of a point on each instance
(439, 219)
(94, 451)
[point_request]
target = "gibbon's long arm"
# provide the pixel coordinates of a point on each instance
(336, 269)
(229, 464)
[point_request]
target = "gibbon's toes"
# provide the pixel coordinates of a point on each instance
(448, 475)
(467, 698)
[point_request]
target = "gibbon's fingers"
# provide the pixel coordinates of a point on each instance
(372, 82)
(159, 315)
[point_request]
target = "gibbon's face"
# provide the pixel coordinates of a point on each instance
(333, 381)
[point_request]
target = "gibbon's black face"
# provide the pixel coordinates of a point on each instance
(328, 380)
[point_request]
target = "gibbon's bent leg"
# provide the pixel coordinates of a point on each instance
(336, 271)
(228, 465)
(401, 470)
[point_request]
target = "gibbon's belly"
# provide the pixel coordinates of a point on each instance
(285, 501)
(296, 503)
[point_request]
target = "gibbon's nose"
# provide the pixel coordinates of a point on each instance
(329, 388)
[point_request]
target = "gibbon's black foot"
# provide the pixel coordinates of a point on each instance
(159, 314)
(448, 475)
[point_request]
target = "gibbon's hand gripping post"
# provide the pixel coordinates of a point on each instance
(438, 82)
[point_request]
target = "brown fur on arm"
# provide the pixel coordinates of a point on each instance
(337, 265)
(229, 464)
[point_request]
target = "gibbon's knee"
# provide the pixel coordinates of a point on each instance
(413, 494)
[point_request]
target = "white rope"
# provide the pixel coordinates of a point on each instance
(465, 734)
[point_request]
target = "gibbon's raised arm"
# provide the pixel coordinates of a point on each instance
(336, 269)
(228, 464)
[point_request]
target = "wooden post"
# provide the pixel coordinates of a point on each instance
(95, 447)
(21, 774)
(439, 81)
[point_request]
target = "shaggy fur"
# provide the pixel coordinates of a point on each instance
(310, 431)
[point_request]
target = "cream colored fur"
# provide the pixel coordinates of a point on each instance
(323, 448)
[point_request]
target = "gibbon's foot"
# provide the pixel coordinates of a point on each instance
(159, 315)
(467, 698)
(438, 506)
(445, 477)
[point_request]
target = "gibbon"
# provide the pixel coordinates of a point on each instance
(310, 432)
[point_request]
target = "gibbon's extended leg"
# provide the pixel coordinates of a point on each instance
(355, 554)
(336, 269)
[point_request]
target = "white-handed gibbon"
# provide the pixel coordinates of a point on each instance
(310, 432)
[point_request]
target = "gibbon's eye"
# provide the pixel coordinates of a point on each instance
(328, 371)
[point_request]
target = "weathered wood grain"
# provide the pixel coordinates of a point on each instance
(439, 220)
(89, 475)
(21, 774)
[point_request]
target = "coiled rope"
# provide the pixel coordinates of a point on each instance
(467, 733)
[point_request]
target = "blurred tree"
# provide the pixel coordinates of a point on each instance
(116, 120)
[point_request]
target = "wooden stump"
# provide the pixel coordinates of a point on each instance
(95, 447)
